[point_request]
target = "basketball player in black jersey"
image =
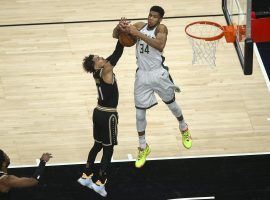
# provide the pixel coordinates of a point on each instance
(105, 118)
(9, 181)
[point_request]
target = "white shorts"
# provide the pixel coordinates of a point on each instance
(147, 83)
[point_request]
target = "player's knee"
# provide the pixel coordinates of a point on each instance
(140, 115)
(97, 147)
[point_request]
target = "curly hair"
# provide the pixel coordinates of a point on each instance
(88, 64)
(158, 9)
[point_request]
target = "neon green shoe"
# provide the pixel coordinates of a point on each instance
(143, 153)
(186, 139)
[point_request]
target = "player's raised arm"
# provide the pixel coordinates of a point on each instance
(112, 61)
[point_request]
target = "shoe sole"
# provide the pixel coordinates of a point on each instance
(98, 192)
(89, 186)
(80, 182)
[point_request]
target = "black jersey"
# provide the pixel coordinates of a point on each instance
(3, 196)
(107, 93)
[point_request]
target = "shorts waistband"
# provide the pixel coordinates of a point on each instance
(106, 109)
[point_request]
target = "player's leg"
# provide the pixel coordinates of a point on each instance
(177, 112)
(86, 178)
(144, 149)
(144, 98)
(99, 185)
(109, 132)
(165, 88)
(92, 157)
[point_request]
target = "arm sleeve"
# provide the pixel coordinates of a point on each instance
(119, 48)
(39, 171)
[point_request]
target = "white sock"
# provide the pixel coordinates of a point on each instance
(182, 125)
(142, 141)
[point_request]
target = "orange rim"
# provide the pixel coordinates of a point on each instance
(217, 37)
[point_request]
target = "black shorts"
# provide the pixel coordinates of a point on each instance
(105, 127)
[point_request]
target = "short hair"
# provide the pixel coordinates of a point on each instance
(2, 157)
(158, 9)
(89, 64)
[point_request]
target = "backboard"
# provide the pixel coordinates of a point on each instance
(238, 13)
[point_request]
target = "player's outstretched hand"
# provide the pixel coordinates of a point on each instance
(123, 24)
(46, 157)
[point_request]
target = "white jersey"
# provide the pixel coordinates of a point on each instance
(148, 58)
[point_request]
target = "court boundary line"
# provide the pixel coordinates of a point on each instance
(153, 159)
(106, 20)
(259, 59)
(194, 198)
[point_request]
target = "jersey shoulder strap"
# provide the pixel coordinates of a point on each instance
(97, 74)
(2, 175)
(143, 26)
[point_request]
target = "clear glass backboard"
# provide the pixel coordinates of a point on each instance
(238, 13)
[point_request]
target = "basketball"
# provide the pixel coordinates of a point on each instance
(126, 39)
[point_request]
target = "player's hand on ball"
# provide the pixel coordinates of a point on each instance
(124, 25)
(133, 30)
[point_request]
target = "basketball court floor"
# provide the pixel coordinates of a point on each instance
(46, 103)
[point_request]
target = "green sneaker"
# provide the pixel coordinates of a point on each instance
(186, 139)
(143, 153)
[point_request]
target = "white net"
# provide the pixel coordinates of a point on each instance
(203, 51)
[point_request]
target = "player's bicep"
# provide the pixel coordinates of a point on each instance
(13, 181)
(161, 35)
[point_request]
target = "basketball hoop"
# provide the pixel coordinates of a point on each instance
(204, 37)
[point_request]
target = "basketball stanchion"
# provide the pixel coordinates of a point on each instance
(204, 37)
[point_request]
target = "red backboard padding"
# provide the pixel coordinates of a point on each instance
(260, 29)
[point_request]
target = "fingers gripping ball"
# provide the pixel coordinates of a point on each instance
(126, 39)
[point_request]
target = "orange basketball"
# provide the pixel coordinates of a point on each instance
(126, 39)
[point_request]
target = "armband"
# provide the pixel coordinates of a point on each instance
(40, 169)
(116, 54)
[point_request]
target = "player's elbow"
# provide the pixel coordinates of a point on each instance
(35, 181)
(160, 47)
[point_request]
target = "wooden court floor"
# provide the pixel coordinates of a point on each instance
(46, 99)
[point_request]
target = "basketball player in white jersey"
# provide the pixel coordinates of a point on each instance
(152, 76)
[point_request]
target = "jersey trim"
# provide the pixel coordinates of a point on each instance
(2, 176)
(171, 101)
(106, 109)
(147, 107)
(143, 26)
